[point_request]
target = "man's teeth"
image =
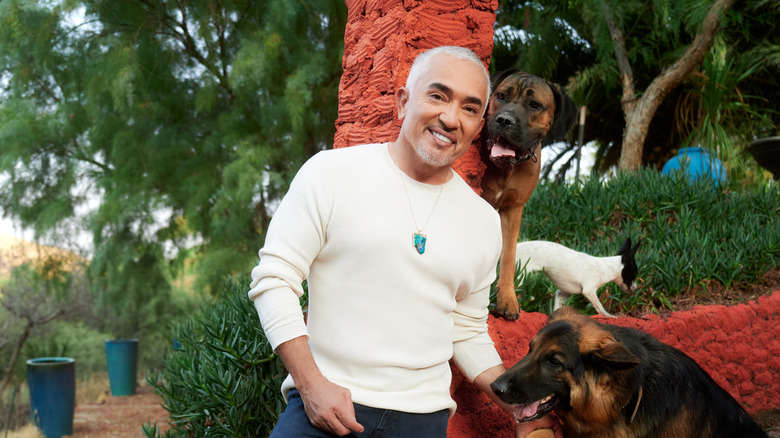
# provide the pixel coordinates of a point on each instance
(441, 137)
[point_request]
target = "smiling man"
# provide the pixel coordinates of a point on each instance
(399, 254)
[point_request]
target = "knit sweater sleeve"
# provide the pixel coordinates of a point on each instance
(473, 349)
(294, 238)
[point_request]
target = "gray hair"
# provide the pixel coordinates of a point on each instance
(421, 64)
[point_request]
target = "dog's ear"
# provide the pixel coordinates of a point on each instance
(635, 248)
(499, 77)
(565, 112)
(563, 312)
(615, 355)
(626, 246)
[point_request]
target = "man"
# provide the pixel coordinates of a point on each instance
(399, 254)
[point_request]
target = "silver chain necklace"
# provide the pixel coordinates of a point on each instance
(418, 239)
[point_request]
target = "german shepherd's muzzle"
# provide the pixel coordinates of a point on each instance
(610, 381)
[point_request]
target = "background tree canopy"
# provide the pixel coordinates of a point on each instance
(185, 120)
(729, 100)
(170, 129)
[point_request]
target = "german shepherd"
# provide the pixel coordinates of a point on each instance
(610, 381)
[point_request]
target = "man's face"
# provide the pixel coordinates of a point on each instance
(444, 112)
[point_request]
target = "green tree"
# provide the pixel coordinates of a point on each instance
(184, 120)
(618, 56)
(30, 298)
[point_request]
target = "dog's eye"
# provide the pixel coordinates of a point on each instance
(552, 360)
(500, 96)
(535, 105)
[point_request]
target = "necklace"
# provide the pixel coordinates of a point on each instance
(418, 239)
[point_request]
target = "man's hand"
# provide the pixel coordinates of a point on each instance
(545, 427)
(329, 408)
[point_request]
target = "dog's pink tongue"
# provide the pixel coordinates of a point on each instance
(522, 412)
(499, 150)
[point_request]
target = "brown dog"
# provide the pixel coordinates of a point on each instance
(609, 381)
(523, 109)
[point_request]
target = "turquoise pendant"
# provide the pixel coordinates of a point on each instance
(419, 242)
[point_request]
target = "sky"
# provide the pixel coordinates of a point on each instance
(8, 227)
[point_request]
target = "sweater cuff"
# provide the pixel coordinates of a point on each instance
(280, 315)
(474, 358)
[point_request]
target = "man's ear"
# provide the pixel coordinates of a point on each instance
(401, 99)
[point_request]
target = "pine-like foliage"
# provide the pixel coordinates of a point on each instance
(224, 380)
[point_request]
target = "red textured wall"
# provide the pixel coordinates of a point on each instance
(739, 346)
(381, 41)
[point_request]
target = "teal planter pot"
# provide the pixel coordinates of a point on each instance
(122, 360)
(696, 163)
(52, 383)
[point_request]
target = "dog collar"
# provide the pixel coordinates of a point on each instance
(532, 155)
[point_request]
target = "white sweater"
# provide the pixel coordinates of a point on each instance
(383, 320)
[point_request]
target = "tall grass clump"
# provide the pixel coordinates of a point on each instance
(693, 232)
(225, 379)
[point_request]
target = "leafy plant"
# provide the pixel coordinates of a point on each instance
(224, 380)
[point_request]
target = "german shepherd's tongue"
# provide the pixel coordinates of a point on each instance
(524, 412)
(500, 150)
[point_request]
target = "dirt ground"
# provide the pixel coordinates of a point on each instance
(119, 416)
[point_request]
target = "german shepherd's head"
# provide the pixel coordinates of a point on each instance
(574, 367)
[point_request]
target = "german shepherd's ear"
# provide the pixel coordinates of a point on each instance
(565, 112)
(564, 312)
(499, 77)
(614, 355)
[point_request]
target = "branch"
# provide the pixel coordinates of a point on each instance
(15, 355)
(643, 110)
(675, 74)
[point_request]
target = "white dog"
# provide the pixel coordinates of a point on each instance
(574, 272)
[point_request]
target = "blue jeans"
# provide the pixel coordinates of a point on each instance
(378, 423)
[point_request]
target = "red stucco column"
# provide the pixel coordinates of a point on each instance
(380, 42)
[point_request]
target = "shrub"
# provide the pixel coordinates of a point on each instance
(692, 232)
(224, 380)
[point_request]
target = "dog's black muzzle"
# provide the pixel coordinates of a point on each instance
(507, 144)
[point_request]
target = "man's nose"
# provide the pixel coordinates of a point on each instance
(449, 117)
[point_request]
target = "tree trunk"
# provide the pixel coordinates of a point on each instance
(640, 112)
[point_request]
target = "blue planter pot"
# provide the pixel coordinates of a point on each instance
(52, 383)
(696, 163)
(122, 361)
